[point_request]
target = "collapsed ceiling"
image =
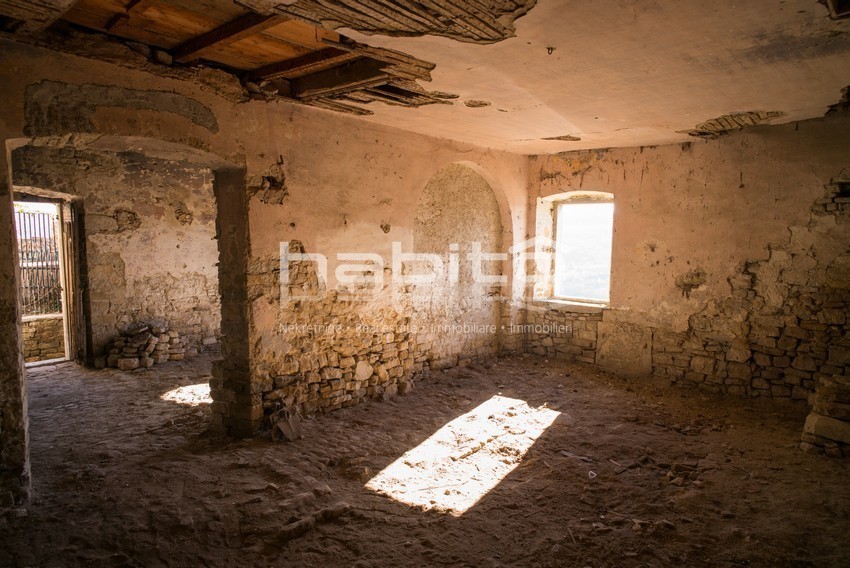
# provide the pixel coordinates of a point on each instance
(519, 75)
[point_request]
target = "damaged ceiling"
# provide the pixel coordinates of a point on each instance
(524, 76)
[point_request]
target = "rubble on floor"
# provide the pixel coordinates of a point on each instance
(142, 345)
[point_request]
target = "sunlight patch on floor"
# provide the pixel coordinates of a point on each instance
(190, 395)
(465, 459)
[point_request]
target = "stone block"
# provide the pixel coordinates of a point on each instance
(704, 365)
(805, 363)
(738, 370)
(827, 427)
(738, 354)
(839, 355)
(128, 363)
(762, 359)
(786, 343)
(363, 371)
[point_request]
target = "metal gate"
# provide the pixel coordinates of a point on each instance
(38, 251)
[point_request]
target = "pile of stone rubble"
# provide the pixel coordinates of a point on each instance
(142, 345)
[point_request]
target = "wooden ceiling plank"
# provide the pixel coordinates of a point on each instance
(226, 34)
(282, 68)
(245, 56)
(132, 7)
(221, 11)
(301, 33)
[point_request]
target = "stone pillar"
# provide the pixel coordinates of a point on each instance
(237, 405)
(14, 436)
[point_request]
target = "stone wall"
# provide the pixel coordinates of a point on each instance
(559, 333)
(150, 235)
(726, 275)
(44, 338)
(785, 326)
(329, 343)
(330, 182)
(14, 426)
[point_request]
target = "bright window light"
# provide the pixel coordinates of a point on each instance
(583, 237)
(190, 395)
(465, 459)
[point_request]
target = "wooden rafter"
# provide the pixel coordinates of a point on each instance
(403, 65)
(226, 34)
(360, 74)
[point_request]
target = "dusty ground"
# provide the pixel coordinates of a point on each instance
(628, 474)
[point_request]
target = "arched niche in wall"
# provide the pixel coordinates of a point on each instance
(458, 226)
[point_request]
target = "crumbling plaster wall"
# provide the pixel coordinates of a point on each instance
(282, 173)
(730, 257)
(359, 192)
(150, 237)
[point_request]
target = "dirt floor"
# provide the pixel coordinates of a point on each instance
(591, 471)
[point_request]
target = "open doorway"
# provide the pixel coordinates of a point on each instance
(142, 251)
(39, 232)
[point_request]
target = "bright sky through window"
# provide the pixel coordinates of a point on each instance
(583, 251)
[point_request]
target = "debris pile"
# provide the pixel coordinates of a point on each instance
(142, 345)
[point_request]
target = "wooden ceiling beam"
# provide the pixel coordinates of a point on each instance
(300, 64)
(226, 34)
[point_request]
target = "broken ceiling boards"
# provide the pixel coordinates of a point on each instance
(28, 17)
(735, 121)
(275, 53)
(477, 21)
(564, 138)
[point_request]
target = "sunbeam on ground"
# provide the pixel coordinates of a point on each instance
(190, 395)
(465, 459)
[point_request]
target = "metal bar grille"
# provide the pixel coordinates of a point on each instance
(38, 251)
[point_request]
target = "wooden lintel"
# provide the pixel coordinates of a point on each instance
(298, 64)
(226, 34)
(358, 74)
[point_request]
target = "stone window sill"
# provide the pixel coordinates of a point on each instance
(570, 306)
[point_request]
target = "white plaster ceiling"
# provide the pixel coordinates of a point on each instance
(627, 73)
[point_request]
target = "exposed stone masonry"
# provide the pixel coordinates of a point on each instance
(558, 333)
(44, 338)
(785, 326)
(331, 349)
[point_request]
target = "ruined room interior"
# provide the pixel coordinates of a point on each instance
(424, 283)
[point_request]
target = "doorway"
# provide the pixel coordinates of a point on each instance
(42, 262)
